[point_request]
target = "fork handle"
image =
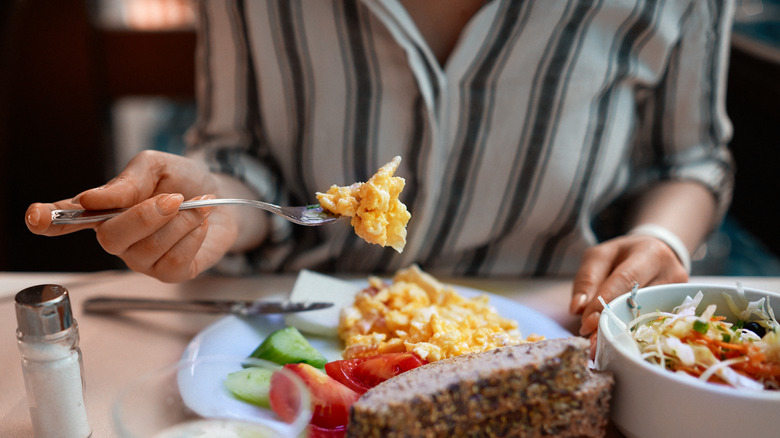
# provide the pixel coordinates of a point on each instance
(79, 216)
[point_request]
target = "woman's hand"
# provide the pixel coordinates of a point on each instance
(610, 269)
(153, 237)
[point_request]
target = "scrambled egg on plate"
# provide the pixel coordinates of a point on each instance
(378, 216)
(417, 313)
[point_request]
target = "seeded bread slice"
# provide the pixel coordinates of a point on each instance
(522, 390)
(582, 413)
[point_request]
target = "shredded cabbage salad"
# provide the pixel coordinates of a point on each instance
(745, 354)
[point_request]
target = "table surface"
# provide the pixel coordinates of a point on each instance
(118, 348)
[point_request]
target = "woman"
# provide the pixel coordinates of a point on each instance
(575, 137)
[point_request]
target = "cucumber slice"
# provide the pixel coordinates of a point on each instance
(251, 385)
(288, 345)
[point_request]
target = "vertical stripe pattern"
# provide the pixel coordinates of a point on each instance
(544, 115)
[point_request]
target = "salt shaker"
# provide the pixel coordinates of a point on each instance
(48, 338)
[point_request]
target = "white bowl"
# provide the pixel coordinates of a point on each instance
(648, 401)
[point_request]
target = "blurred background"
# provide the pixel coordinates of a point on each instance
(86, 84)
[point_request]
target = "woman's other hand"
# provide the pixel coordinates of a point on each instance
(611, 268)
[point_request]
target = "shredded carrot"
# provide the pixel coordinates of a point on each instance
(742, 348)
(760, 370)
(694, 370)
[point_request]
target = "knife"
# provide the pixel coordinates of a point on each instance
(235, 307)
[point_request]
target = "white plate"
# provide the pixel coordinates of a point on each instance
(237, 336)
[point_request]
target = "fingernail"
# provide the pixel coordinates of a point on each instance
(578, 303)
(169, 204)
(34, 217)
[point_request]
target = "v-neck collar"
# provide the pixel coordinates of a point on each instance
(431, 76)
(394, 15)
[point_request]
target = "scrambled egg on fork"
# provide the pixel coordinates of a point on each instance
(417, 313)
(378, 216)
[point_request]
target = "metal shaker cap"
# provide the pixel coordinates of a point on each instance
(43, 310)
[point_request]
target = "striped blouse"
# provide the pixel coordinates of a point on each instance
(545, 116)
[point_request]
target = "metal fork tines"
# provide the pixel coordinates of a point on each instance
(306, 215)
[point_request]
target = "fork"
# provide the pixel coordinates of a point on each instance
(306, 215)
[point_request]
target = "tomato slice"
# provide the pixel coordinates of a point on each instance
(376, 369)
(284, 398)
(330, 399)
(361, 374)
(321, 432)
(344, 372)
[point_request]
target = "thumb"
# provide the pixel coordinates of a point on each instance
(117, 193)
(136, 183)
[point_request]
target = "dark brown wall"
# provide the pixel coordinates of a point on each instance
(60, 74)
(754, 108)
(53, 141)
